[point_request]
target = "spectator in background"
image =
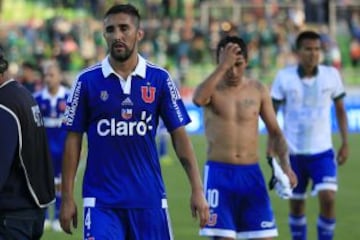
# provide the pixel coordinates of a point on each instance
(52, 103)
(26, 172)
(307, 91)
(30, 77)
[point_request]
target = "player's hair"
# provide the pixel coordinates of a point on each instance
(3, 63)
(232, 39)
(127, 9)
(311, 35)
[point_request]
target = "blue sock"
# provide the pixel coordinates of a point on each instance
(298, 227)
(325, 228)
(57, 205)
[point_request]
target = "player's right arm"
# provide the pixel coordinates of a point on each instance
(227, 58)
(68, 213)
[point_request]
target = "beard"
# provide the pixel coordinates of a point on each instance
(123, 55)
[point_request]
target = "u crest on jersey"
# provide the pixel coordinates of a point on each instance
(148, 94)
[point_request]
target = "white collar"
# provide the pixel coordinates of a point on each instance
(61, 93)
(140, 69)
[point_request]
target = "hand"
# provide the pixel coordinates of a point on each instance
(292, 177)
(68, 214)
(200, 207)
(229, 55)
(343, 154)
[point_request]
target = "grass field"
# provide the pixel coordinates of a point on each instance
(186, 228)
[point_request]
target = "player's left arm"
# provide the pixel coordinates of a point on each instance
(276, 141)
(342, 122)
(184, 151)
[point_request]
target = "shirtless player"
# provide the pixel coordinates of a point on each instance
(234, 184)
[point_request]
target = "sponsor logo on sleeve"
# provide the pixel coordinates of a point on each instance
(37, 116)
(73, 102)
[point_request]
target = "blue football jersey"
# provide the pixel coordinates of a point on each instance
(53, 108)
(120, 118)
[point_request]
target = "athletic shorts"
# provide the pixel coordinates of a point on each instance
(127, 224)
(239, 202)
(320, 168)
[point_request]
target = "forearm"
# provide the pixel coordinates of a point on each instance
(185, 154)
(280, 149)
(343, 125)
(204, 91)
(70, 163)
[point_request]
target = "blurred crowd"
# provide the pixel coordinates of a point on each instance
(173, 42)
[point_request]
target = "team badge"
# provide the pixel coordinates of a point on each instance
(104, 95)
(148, 94)
(126, 113)
(212, 219)
(62, 105)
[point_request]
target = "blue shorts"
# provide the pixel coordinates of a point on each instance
(320, 168)
(239, 202)
(125, 224)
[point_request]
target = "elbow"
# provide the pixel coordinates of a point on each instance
(198, 101)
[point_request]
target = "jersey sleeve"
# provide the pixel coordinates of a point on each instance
(172, 107)
(75, 117)
(277, 92)
(8, 142)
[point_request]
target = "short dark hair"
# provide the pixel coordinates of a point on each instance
(232, 39)
(305, 36)
(125, 8)
(3, 63)
(2, 51)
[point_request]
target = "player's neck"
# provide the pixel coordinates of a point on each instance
(53, 90)
(236, 82)
(126, 67)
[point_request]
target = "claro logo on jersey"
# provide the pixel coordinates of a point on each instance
(113, 127)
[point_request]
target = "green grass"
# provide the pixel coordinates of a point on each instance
(186, 228)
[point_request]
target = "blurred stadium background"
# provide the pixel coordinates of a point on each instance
(181, 35)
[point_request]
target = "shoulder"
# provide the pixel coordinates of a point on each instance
(90, 71)
(287, 71)
(256, 84)
(152, 69)
(328, 70)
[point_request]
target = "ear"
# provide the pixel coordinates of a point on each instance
(140, 34)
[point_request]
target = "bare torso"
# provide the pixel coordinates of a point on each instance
(231, 121)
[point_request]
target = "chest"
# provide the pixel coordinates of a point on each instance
(110, 100)
(236, 105)
(313, 94)
(53, 107)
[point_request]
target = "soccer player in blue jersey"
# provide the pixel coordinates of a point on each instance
(52, 103)
(234, 184)
(306, 93)
(118, 103)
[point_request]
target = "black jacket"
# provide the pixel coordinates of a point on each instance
(29, 180)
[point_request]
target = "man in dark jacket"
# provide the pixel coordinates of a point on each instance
(26, 173)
